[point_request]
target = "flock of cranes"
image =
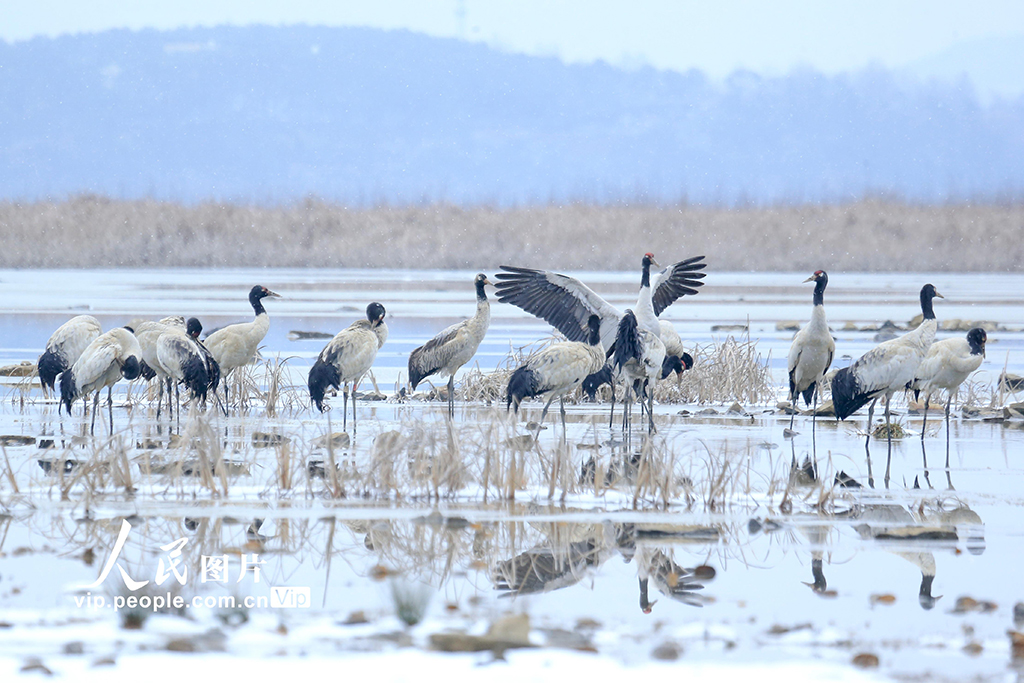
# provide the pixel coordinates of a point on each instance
(604, 345)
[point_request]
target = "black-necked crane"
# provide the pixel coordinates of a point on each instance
(557, 370)
(348, 357)
(65, 346)
(885, 369)
(111, 356)
(147, 333)
(638, 357)
(181, 358)
(453, 347)
(811, 353)
(948, 363)
(235, 345)
(566, 303)
(677, 360)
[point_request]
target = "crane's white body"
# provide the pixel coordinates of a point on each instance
(99, 366)
(811, 353)
(72, 338)
(235, 345)
(947, 365)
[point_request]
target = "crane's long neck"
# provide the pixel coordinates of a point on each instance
(257, 306)
(645, 315)
(819, 292)
(926, 306)
(483, 306)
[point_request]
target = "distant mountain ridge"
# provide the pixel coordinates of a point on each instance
(359, 116)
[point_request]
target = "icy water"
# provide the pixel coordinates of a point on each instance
(742, 566)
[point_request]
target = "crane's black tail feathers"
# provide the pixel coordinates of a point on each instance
(808, 393)
(68, 390)
(321, 376)
(147, 372)
(50, 365)
(196, 377)
(596, 380)
(522, 384)
(847, 396)
(627, 340)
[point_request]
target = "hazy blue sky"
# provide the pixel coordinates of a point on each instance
(717, 37)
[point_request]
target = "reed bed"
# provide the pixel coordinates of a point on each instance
(869, 235)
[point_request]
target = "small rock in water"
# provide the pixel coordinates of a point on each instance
(973, 648)
(704, 572)
(16, 440)
(728, 328)
(787, 408)
(882, 599)
(736, 409)
(767, 446)
(866, 660)
(667, 652)
(22, 369)
(883, 431)
(787, 326)
(1018, 614)
(370, 396)
(1016, 645)
(788, 433)
(35, 664)
(300, 335)
(707, 411)
(534, 426)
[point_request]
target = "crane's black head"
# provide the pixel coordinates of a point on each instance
(649, 261)
(131, 368)
(820, 278)
(194, 327)
(977, 338)
(375, 313)
(130, 329)
(928, 293)
(479, 281)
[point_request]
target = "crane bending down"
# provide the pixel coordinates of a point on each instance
(65, 346)
(111, 356)
(557, 370)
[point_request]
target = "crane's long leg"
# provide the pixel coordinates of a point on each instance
(451, 396)
(561, 409)
(544, 412)
(792, 415)
(95, 408)
(110, 408)
(354, 423)
(871, 414)
(344, 406)
(814, 435)
(888, 429)
(927, 403)
(948, 402)
(611, 417)
(650, 406)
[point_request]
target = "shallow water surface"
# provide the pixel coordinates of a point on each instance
(742, 561)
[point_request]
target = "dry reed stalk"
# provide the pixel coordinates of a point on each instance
(867, 235)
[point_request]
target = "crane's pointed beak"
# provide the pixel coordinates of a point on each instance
(810, 279)
(274, 295)
(939, 296)
(488, 282)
